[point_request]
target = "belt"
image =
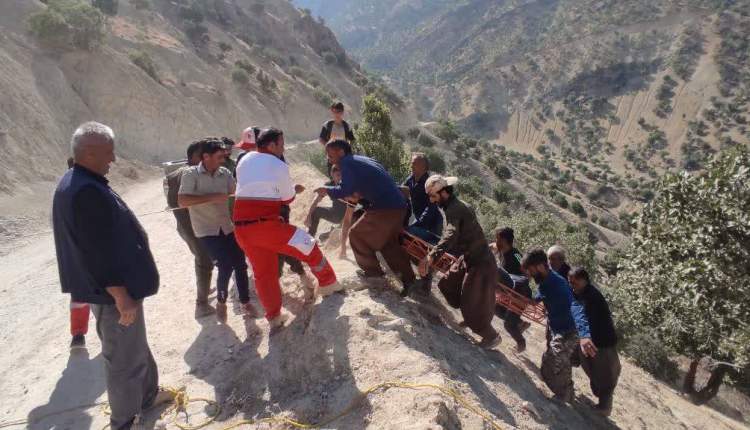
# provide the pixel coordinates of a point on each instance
(256, 221)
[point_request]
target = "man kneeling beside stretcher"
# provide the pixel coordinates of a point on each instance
(263, 187)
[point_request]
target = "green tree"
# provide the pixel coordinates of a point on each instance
(374, 138)
(540, 230)
(68, 24)
(693, 239)
(448, 131)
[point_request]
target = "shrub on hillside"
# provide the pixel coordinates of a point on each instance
(578, 209)
(651, 355)
(246, 66)
(437, 162)
(413, 133)
(141, 4)
(143, 60)
(329, 57)
(108, 7)
(323, 97)
(447, 131)
(68, 24)
(424, 139)
(560, 200)
(197, 33)
(240, 76)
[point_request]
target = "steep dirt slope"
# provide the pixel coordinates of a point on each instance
(46, 93)
(331, 351)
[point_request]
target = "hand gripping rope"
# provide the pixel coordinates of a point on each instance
(504, 295)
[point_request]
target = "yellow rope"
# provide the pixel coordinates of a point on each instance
(182, 400)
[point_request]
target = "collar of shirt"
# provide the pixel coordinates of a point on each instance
(91, 173)
(202, 169)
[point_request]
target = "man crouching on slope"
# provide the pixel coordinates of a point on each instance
(263, 187)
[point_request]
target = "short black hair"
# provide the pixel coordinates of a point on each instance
(579, 273)
(507, 234)
(535, 257)
(192, 149)
(340, 144)
(268, 136)
(229, 143)
(337, 106)
(210, 145)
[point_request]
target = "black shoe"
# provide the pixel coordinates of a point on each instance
(78, 342)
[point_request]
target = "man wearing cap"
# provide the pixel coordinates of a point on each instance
(378, 229)
(247, 142)
(471, 284)
(264, 186)
(204, 266)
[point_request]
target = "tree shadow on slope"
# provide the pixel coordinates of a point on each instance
(442, 338)
(82, 382)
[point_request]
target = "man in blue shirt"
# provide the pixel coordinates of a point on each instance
(377, 230)
(565, 321)
(428, 223)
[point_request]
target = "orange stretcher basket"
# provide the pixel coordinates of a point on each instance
(504, 295)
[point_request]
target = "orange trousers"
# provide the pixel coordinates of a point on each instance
(263, 242)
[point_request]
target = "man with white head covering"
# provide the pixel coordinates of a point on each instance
(471, 285)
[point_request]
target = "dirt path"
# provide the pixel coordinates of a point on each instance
(330, 352)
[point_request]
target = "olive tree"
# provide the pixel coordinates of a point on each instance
(374, 138)
(686, 277)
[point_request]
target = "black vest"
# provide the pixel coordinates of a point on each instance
(139, 273)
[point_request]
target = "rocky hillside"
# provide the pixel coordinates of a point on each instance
(592, 99)
(162, 73)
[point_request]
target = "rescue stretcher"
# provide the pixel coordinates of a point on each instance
(504, 295)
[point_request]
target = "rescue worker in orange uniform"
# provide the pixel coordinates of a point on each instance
(263, 187)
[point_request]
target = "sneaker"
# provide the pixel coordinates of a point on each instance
(490, 343)
(249, 310)
(277, 322)
(221, 312)
(78, 342)
(203, 310)
(330, 289)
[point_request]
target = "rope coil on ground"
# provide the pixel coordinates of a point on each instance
(182, 400)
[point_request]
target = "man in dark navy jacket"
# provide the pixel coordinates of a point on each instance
(602, 364)
(379, 228)
(104, 259)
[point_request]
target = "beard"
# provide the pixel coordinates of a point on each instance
(538, 277)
